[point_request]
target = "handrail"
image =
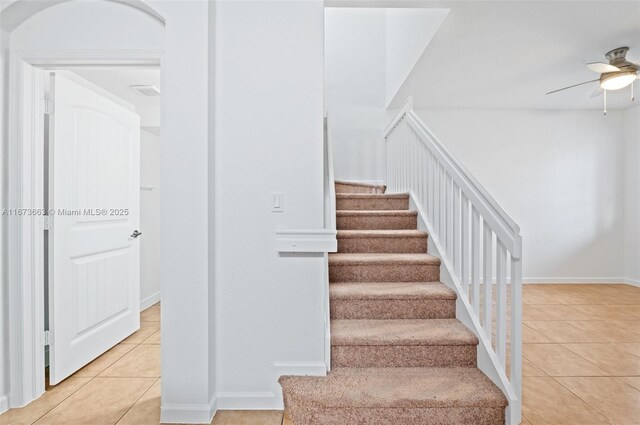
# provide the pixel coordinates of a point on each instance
(479, 244)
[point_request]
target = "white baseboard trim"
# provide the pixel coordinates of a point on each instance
(149, 301)
(265, 400)
(4, 404)
(573, 280)
(371, 182)
(632, 282)
(189, 413)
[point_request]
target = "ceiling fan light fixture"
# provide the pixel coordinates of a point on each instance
(617, 80)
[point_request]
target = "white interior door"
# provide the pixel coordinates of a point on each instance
(94, 274)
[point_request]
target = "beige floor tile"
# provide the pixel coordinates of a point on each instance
(50, 399)
(104, 361)
(560, 331)
(146, 411)
(248, 417)
(546, 402)
(614, 360)
(153, 339)
(553, 312)
(529, 369)
(141, 362)
(555, 360)
(101, 401)
(632, 347)
(607, 331)
(146, 330)
(613, 398)
(531, 336)
(634, 381)
(152, 314)
(605, 312)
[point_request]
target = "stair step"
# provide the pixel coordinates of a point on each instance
(376, 220)
(382, 241)
(402, 343)
(355, 187)
(394, 396)
(370, 201)
(383, 267)
(409, 300)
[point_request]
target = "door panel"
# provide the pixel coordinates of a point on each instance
(94, 191)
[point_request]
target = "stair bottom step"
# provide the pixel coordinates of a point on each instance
(378, 356)
(397, 416)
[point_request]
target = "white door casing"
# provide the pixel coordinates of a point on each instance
(94, 267)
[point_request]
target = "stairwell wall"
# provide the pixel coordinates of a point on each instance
(269, 138)
(559, 174)
(632, 194)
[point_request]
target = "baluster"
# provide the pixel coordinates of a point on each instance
(450, 218)
(464, 257)
(488, 277)
(475, 259)
(442, 182)
(501, 304)
(436, 199)
(516, 326)
(455, 246)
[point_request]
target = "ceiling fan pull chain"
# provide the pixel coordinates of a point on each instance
(633, 96)
(605, 101)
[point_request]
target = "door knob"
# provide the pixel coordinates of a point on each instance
(135, 234)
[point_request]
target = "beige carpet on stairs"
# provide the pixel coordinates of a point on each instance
(399, 355)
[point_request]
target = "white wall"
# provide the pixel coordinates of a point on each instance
(559, 174)
(632, 194)
(354, 90)
(408, 32)
(269, 109)
(149, 219)
(187, 377)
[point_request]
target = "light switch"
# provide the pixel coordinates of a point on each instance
(277, 202)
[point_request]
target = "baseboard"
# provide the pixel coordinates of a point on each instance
(574, 280)
(632, 282)
(265, 400)
(149, 301)
(189, 413)
(4, 404)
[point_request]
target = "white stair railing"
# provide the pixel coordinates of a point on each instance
(479, 245)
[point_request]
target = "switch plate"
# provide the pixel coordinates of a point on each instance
(277, 202)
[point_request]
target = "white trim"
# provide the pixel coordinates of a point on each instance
(246, 400)
(299, 368)
(632, 282)
(364, 182)
(189, 413)
(149, 301)
(573, 280)
(306, 240)
(4, 404)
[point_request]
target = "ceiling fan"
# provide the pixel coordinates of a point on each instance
(615, 75)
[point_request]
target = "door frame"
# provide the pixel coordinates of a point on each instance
(26, 191)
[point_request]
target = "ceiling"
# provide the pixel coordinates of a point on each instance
(118, 80)
(508, 54)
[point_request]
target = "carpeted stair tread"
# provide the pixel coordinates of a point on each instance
(346, 234)
(400, 332)
(390, 291)
(338, 259)
(408, 388)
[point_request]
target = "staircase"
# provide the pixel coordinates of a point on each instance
(398, 353)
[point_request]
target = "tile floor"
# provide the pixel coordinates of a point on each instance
(581, 365)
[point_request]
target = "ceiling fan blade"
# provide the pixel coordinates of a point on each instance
(597, 92)
(601, 68)
(575, 85)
